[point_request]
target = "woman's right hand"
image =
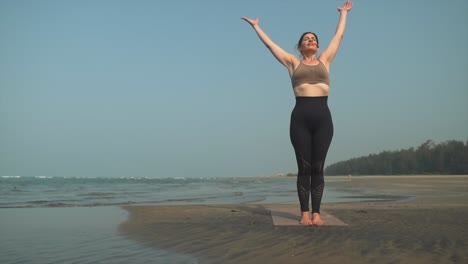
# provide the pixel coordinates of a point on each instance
(250, 21)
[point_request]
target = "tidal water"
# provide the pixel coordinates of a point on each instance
(75, 220)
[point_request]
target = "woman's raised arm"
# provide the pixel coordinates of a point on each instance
(328, 55)
(282, 56)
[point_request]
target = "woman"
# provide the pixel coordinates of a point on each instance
(311, 128)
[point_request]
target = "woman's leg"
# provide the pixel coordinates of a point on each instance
(301, 141)
(320, 141)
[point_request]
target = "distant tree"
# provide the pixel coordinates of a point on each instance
(450, 157)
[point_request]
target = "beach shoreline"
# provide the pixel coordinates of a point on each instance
(426, 227)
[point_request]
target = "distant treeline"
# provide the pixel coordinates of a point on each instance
(450, 157)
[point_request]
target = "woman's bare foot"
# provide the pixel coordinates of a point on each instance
(316, 220)
(305, 219)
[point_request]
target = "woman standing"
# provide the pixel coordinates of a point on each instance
(311, 128)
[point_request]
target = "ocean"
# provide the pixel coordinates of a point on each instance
(76, 219)
(42, 191)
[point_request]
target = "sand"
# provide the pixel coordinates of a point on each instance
(427, 227)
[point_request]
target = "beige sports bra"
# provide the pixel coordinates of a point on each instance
(310, 74)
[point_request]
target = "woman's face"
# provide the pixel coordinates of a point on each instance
(309, 42)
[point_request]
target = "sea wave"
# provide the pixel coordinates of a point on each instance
(120, 178)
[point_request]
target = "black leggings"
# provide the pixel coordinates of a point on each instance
(311, 133)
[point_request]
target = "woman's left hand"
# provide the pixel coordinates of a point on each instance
(347, 6)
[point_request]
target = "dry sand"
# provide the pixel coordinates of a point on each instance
(430, 227)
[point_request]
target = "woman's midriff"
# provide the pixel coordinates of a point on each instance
(307, 89)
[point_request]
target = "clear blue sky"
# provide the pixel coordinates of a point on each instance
(185, 88)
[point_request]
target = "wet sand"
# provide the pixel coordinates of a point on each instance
(428, 227)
